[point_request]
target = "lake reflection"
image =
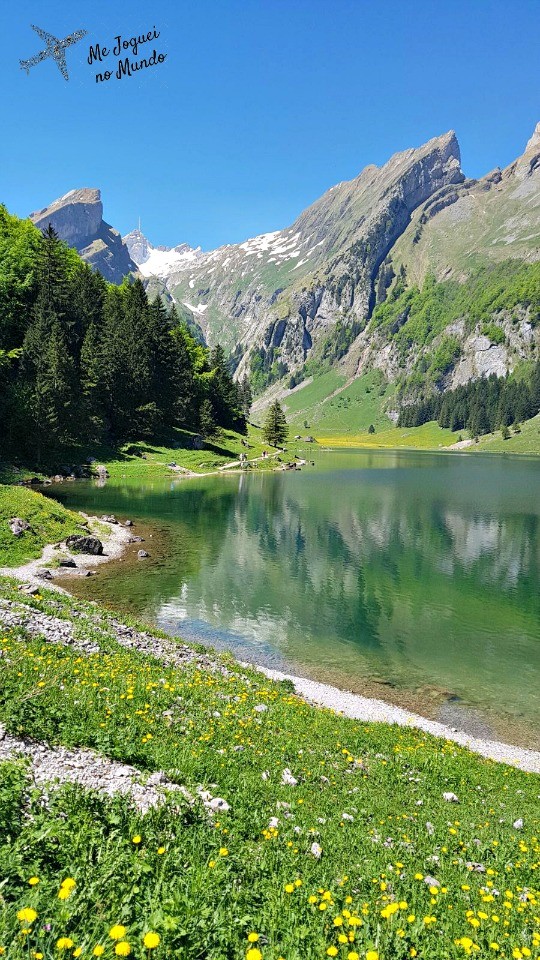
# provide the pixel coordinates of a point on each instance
(418, 569)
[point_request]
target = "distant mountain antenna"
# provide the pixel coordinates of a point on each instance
(139, 224)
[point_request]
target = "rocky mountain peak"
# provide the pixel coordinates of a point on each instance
(138, 245)
(158, 261)
(533, 145)
(77, 218)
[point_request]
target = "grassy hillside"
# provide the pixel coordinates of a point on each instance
(364, 859)
(330, 405)
(49, 522)
(527, 441)
(430, 436)
(147, 460)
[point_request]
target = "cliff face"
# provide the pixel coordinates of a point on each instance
(77, 218)
(478, 222)
(279, 293)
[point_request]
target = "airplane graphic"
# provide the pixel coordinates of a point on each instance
(55, 49)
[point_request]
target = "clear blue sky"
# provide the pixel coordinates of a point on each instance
(260, 106)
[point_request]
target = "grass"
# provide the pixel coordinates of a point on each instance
(49, 522)
(430, 436)
(527, 441)
(146, 460)
(339, 415)
(371, 797)
(329, 405)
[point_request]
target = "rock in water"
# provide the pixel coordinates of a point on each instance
(80, 544)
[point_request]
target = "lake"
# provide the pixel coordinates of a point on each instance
(409, 576)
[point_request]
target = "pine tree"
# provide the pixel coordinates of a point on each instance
(245, 396)
(92, 385)
(186, 386)
(275, 429)
(222, 391)
(207, 419)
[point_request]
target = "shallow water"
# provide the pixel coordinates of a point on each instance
(418, 571)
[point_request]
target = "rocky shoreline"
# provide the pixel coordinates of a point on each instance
(113, 536)
(367, 709)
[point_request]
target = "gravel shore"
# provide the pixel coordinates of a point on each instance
(376, 711)
(114, 536)
(352, 705)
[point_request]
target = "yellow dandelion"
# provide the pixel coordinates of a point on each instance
(136, 839)
(64, 943)
(332, 951)
(98, 950)
(253, 954)
(223, 852)
(122, 949)
(69, 883)
(151, 940)
(253, 937)
(33, 881)
(117, 932)
(27, 915)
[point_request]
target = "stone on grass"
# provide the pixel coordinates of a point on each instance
(287, 778)
(450, 797)
(18, 526)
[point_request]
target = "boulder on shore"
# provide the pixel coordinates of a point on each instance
(80, 544)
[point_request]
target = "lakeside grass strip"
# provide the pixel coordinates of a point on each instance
(401, 870)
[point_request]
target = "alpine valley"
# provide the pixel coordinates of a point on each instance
(412, 275)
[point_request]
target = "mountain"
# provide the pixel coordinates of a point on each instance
(341, 287)
(282, 291)
(410, 269)
(158, 262)
(476, 222)
(77, 217)
(473, 248)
